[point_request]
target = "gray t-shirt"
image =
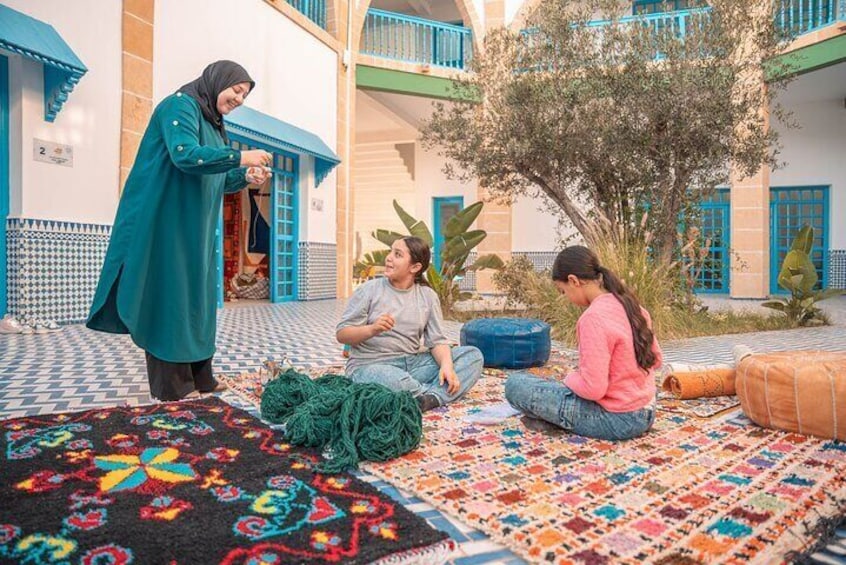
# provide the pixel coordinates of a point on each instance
(417, 327)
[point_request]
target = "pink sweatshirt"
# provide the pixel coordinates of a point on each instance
(608, 372)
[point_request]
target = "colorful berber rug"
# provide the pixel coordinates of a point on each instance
(188, 482)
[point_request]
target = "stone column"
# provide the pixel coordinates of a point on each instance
(750, 235)
(137, 79)
(750, 196)
(346, 142)
(495, 218)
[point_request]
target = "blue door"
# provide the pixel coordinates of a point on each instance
(283, 229)
(284, 235)
(4, 175)
(790, 209)
(444, 208)
(713, 276)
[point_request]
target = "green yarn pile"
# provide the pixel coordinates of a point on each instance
(358, 422)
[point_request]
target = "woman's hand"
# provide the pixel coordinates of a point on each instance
(256, 158)
(383, 323)
(447, 375)
(257, 175)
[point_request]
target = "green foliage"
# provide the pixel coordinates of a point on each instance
(609, 120)
(459, 242)
(799, 277)
(535, 292)
(674, 316)
(370, 264)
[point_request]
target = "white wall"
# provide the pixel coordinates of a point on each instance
(432, 182)
(479, 5)
(511, 9)
(295, 74)
(316, 225)
(534, 227)
(89, 121)
(815, 155)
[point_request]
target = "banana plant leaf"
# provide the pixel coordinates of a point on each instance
(798, 272)
(386, 236)
(415, 227)
(804, 240)
(463, 243)
(775, 305)
(462, 221)
(490, 261)
(828, 293)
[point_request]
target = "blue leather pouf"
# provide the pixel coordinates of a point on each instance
(509, 343)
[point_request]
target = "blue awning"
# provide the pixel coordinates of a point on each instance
(284, 135)
(36, 40)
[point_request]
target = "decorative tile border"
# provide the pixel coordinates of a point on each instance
(53, 268)
(542, 260)
(468, 283)
(318, 270)
(837, 268)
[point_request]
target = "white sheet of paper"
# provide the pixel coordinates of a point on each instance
(493, 414)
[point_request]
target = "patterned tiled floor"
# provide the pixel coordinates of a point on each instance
(77, 369)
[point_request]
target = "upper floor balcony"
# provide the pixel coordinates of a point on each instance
(793, 17)
(315, 10)
(797, 17)
(413, 39)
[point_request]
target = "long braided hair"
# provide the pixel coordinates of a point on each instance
(420, 253)
(584, 264)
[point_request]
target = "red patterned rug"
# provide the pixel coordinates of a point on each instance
(188, 482)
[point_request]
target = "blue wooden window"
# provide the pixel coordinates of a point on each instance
(790, 209)
(444, 208)
(713, 276)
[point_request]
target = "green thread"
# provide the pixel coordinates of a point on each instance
(358, 422)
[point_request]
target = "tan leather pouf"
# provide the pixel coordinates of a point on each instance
(797, 391)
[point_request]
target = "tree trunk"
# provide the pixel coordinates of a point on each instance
(559, 195)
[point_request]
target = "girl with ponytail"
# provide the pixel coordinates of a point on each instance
(394, 327)
(612, 393)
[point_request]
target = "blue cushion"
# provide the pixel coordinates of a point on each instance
(509, 343)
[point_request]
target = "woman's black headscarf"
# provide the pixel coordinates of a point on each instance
(216, 78)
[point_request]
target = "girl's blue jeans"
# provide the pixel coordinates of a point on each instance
(418, 374)
(555, 403)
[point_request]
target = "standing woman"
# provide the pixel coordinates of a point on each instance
(158, 282)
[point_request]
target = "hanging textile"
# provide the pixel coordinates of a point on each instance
(259, 234)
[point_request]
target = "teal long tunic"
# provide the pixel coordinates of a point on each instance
(158, 282)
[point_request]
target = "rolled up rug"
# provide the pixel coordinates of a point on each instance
(699, 381)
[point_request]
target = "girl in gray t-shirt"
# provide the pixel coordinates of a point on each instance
(394, 327)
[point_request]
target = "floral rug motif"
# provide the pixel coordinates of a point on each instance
(720, 490)
(188, 482)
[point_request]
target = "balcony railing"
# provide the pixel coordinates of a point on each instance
(802, 16)
(678, 21)
(315, 10)
(416, 40)
(792, 16)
